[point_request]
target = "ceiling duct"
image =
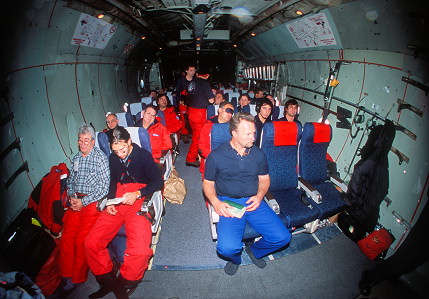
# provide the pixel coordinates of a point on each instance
(199, 17)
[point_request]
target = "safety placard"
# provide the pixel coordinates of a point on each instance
(92, 32)
(312, 31)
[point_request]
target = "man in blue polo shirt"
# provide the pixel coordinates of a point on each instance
(238, 171)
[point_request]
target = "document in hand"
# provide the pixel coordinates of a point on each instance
(237, 209)
(115, 201)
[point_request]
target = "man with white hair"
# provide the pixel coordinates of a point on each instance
(88, 182)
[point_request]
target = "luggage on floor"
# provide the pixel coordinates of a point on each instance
(25, 245)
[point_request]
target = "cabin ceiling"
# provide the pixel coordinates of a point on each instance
(203, 25)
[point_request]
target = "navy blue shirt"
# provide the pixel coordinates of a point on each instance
(141, 168)
(235, 176)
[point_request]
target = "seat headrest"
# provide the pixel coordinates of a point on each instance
(285, 133)
(322, 133)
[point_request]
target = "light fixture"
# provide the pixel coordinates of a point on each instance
(235, 45)
(253, 34)
(160, 48)
(198, 38)
(200, 9)
(299, 12)
(143, 37)
(100, 16)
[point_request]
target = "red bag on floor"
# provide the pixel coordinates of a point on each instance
(376, 243)
(49, 277)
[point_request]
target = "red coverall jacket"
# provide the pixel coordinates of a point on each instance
(172, 120)
(159, 140)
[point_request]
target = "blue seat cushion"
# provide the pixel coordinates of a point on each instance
(331, 200)
(291, 205)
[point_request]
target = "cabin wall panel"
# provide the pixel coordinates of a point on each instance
(64, 19)
(391, 31)
(108, 78)
(122, 85)
(117, 44)
(372, 80)
(62, 95)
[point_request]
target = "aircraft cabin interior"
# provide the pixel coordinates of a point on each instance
(357, 71)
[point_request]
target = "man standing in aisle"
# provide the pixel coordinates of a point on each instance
(200, 96)
(185, 86)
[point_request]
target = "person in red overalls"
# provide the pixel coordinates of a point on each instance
(88, 182)
(133, 175)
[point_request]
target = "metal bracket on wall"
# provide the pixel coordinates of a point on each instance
(5, 120)
(400, 155)
(423, 87)
(405, 105)
(12, 146)
(22, 168)
(401, 220)
(401, 128)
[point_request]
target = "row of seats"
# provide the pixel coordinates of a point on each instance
(212, 110)
(304, 197)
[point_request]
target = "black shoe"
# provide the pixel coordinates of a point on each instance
(185, 139)
(106, 281)
(65, 288)
(103, 291)
(193, 164)
(365, 284)
(260, 263)
(231, 268)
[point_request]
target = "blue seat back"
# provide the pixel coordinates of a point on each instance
(211, 111)
(219, 135)
(125, 119)
(102, 142)
(280, 143)
(140, 136)
(312, 152)
(146, 100)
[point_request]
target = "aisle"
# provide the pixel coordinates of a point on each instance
(185, 240)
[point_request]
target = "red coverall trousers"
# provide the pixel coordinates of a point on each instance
(139, 238)
(197, 119)
(183, 110)
(73, 262)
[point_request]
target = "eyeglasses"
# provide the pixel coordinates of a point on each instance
(84, 141)
(229, 110)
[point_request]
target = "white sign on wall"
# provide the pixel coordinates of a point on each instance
(312, 31)
(92, 32)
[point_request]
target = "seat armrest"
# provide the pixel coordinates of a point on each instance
(167, 160)
(310, 190)
(339, 182)
(272, 202)
(214, 218)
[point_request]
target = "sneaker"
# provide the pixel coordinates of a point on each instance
(231, 268)
(193, 164)
(260, 263)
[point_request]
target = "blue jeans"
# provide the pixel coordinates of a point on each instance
(264, 220)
